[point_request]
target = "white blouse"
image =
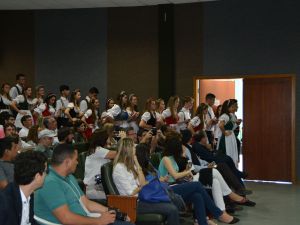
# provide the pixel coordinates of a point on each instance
(124, 180)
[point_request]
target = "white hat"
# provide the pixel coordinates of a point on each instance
(46, 133)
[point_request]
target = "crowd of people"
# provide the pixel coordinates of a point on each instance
(199, 155)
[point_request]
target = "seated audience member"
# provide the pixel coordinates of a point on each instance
(32, 137)
(45, 142)
(111, 141)
(6, 117)
(203, 166)
(129, 179)
(92, 95)
(79, 134)
(204, 151)
(130, 132)
(61, 105)
(9, 147)
(65, 135)
(98, 156)
(50, 123)
(26, 125)
(16, 199)
(61, 200)
(9, 129)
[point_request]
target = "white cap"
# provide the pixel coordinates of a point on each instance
(46, 133)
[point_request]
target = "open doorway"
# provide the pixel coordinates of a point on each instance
(268, 108)
(223, 89)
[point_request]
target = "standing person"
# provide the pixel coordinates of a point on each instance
(5, 99)
(198, 122)
(211, 119)
(185, 113)
(227, 144)
(92, 95)
(133, 112)
(9, 147)
(73, 110)
(22, 104)
(238, 123)
(49, 107)
(105, 118)
(217, 131)
(39, 95)
(90, 117)
(170, 115)
(149, 117)
(118, 111)
(160, 107)
(61, 105)
(18, 88)
(129, 179)
(61, 201)
(17, 198)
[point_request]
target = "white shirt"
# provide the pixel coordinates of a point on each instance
(61, 103)
(25, 209)
(83, 104)
(147, 116)
(114, 111)
(183, 115)
(13, 92)
(124, 180)
(209, 116)
(23, 132)
(93, 165)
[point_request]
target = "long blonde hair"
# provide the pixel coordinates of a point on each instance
(125, 155)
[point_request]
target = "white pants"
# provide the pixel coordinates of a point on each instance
(219, 189)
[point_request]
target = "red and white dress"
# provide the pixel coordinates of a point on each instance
(170, 120)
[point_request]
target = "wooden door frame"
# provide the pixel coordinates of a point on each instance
(293, 104)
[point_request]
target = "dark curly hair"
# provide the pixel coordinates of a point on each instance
(27, 165)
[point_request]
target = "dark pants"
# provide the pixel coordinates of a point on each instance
(222, 158)
(231, 179)
(210, 137)
(169, 210)
(193, 192)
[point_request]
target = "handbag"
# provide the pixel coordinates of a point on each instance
(154, 192)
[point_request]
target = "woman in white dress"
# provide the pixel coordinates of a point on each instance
(227, 143)
(23, 104)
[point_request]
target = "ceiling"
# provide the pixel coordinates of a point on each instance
(69, 4)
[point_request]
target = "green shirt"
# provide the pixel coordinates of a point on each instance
(163, 170)
(57, 191)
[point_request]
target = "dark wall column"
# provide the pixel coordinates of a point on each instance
(166, 79)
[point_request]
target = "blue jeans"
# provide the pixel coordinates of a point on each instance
(169, 210)
(193, 192)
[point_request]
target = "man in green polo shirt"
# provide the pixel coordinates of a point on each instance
(61, 200)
